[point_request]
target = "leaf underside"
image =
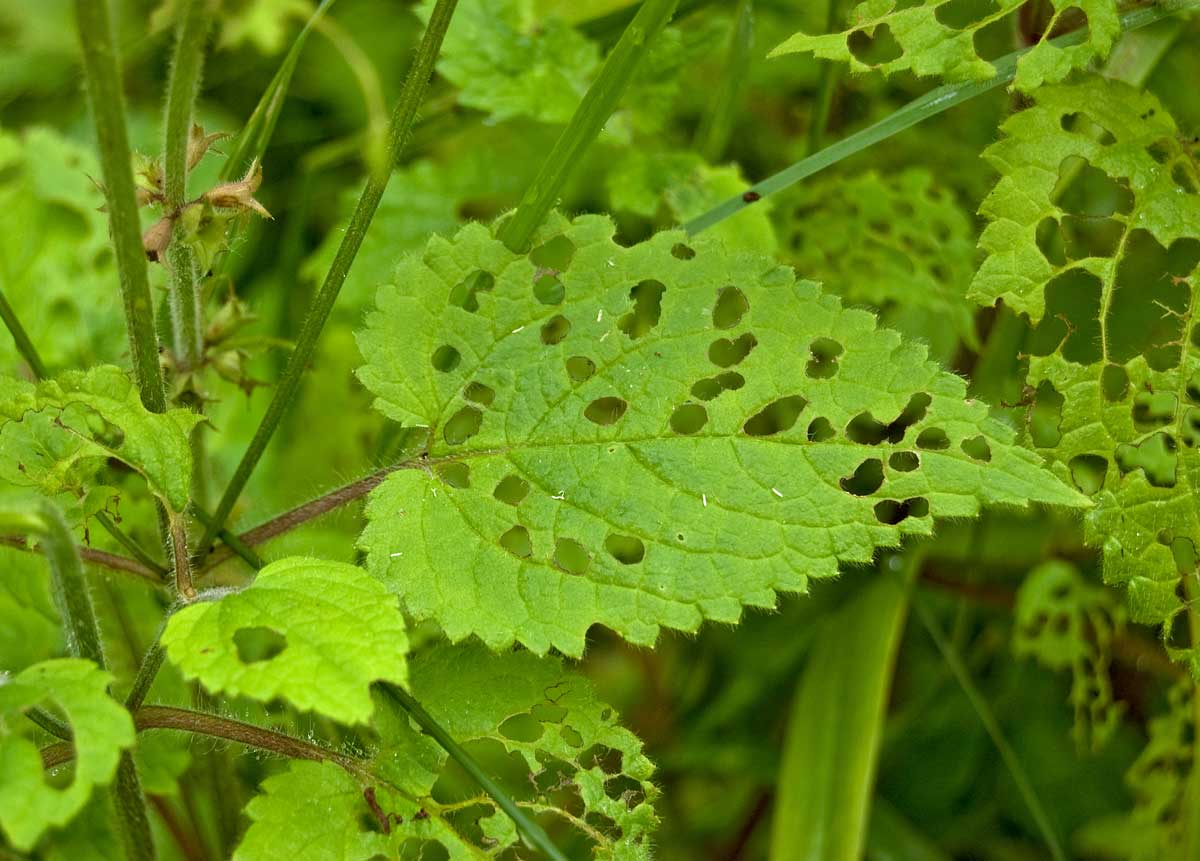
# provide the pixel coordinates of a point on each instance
(1112, 289)
(652, 436)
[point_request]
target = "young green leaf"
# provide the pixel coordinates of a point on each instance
(578, 769)
(313, 632)
(899, 242)
(651, 436)
(81, 419)
(1067, 624)
(31, 631)
(102, 729)
(935, 38)
(1112, 285)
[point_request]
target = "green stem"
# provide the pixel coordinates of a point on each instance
(135, 550)
(401, 124)
(826, 85)
(528, 828)
(593, 112)
(103, 75)
(931, 104)
(83, 640)
(235, 544)
(148, 669)
(712, 138)
(21, 338)
(992, 726)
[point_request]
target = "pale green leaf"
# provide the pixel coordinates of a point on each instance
(29, 805)
(509, 61)
(651, 436)
(31, 631)
(1065, 623)
(580, 771)
(899, 242)
(934, 38)
(312, 632)
(77, 420)
(1118, 264)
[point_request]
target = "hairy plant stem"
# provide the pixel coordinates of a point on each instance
(931, 104)
(183, 565)
(401, 124)
(74, 601)
(529, 829)
(593, 112)
(21, 338)
(1191, 795)
(103, 75)
(712, 137)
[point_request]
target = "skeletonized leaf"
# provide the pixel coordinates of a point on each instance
(29, 805)
(651, 436)
(1111, 278)
(585, 773)
(313, 632)
(934, 38)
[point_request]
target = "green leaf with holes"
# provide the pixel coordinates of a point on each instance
(1112, 287)
(538, 728)
(652, 436)
(312, 632)
(31, 803)
(938, 38)
(1066, 623)
(60, 431)
(899, 242)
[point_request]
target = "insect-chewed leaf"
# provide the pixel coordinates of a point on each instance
(935, 37)
(313, 632)
(1095, 232)
(579, 770)
(60, 426)
(651, 436)
(29, 805)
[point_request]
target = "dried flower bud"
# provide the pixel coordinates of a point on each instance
(240, 194)
(199, 144)
(157, 237)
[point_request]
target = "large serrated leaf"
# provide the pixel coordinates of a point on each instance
(1123, 272)
(651, 436)
(582, 773)
(933, 38)
(313, 632)
(102, 729)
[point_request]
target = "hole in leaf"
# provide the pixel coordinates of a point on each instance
(548, 290)
(570, 556)
(465, 294)
(682, 252)
(962, 14)
(1072, 321)
(454, 473)
(580, 369)
(866, 430)
(647, 309)
(605, 411)
(1090, 192)
(258, 644)
(776, 417)
(731, 307)
(1149, 306)
(1046, 416)
(1153, 410)
(820, 429)
(824, 361)
(891, 511)
(480, 394)
(688, 418)
(1155, 456)
(976, 448)
(866, 479)
(904, 461)
(445, 358)
(548, 713)
(707, 389)
(1183, 178)
(933, 439)
(725, 353)
(626, 549)
(463, 425)
(1114, 382)
(517, 542)
(1050, 241)
(555, 254)
(555, 330)
(876, 48)
(511, 489)
(571, 736)
(1087, 471)
(523, 727)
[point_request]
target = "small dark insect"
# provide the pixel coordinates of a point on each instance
(421, 814)
(751, 196)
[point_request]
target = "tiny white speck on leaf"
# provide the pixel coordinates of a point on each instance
(777, 492)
